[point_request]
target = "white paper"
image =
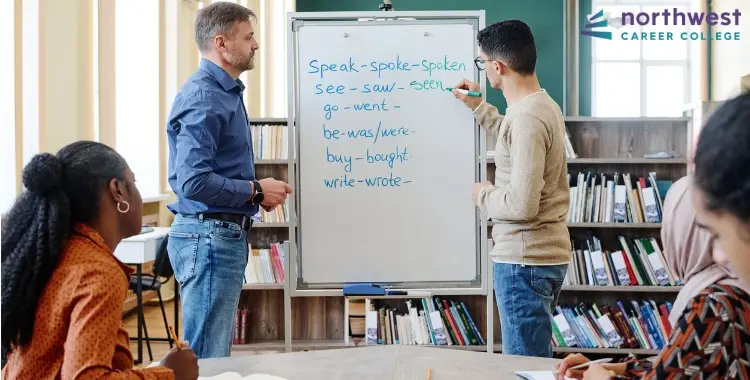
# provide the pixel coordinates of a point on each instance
(538, 375)
(237, 376)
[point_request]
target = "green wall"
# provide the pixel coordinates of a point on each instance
(545, 17)
(585, 62)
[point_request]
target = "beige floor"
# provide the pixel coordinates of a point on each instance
(155, 325)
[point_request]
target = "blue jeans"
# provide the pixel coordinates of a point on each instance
(526, 296)
(209, 258)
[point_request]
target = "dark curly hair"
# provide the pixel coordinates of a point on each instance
(722, 158)
(512, 42)
(62, 190)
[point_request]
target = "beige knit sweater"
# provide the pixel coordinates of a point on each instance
(529, 200)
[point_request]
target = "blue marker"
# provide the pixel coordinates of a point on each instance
(466, 92)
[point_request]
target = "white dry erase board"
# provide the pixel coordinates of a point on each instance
(384, 156)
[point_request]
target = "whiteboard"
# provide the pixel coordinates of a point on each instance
(385, 155)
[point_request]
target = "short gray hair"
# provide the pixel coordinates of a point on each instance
(218, 18)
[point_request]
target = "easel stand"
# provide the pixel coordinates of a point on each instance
(355, 81)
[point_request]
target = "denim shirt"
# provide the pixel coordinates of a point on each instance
(210, 145)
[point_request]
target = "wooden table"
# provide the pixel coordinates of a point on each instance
(379, 363)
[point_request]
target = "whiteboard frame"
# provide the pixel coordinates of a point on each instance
(296, 288)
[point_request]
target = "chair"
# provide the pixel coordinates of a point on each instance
(150, 281)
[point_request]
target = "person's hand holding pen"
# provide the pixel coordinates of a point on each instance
(598, 372)
(577, 366)
(564, 368)
(181, 360)
(471, 101)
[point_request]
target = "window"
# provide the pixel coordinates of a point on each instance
(663, 86)
(277, 31)
(271, 58)
(30, 78)
(95, 65)
(137, 90)
(7, 107)
(618, 76)
(644, 78)
(617, 49)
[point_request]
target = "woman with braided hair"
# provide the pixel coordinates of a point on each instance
(62, 287)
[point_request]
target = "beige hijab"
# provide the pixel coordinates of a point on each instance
(687, 248)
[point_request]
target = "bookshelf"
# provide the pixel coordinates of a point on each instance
(275, 321)
(634, 147)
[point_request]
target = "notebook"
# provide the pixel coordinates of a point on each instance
(538, 375)
(237, 376)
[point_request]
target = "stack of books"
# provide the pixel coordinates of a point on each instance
(270, 142)
(616, 198)
(638, 262)
(623, 325)
(429, 321)
(240, 326)
(266, 266)
(278, 215)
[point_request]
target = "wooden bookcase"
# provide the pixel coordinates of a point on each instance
(601, 144)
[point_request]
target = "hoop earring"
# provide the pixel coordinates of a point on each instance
(127, 207)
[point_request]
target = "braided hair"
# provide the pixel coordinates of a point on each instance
(62, 190)
(722, 158)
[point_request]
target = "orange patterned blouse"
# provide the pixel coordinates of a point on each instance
(711, 340)
(78, 329)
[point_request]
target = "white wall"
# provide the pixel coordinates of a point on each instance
(730, 60)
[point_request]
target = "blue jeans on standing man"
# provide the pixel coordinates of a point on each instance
(209, 258)
(526, 295)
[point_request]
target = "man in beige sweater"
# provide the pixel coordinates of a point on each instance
(529, 200)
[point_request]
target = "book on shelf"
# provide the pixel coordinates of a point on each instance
(569, 151)
(278, 215)
(266, 266)
(270, 142)
(626, 324)
(430, 321)
(240, 326)
(616, 198)
(636, 262)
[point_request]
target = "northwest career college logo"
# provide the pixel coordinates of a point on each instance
(603, 22)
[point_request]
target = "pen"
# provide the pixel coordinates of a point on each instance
(584, 365)
(466, 92)
(174, 337)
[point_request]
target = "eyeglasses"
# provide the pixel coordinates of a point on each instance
(479, 63)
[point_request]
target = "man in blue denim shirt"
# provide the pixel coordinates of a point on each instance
(211, 170)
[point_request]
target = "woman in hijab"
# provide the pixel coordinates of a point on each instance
(688, 248)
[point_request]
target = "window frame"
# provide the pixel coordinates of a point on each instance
(139, 146)
(8, 114)
(686, 64)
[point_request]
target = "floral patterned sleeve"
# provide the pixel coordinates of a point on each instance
(710, 339)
